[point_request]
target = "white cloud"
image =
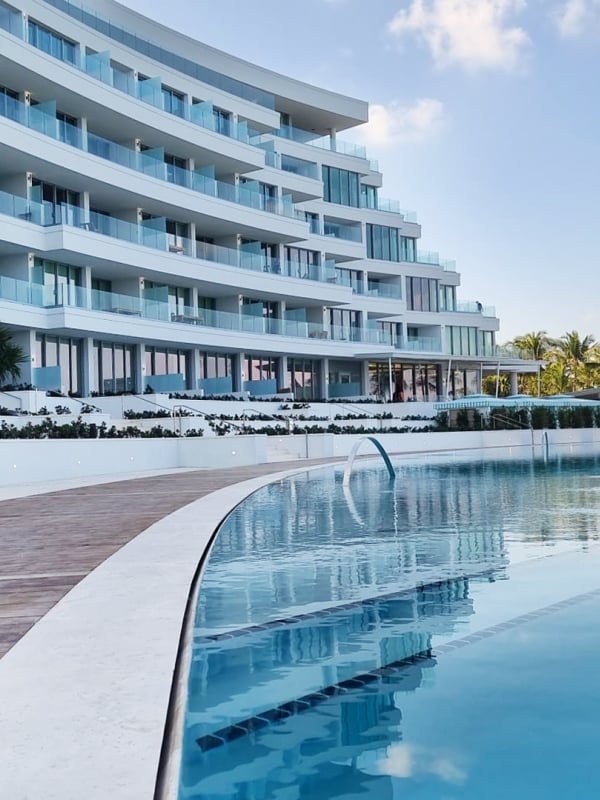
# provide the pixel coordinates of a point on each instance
(412, 761)
(575, 17)
(396, 124)
(473, 34)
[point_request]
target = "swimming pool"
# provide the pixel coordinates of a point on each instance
(428, 638)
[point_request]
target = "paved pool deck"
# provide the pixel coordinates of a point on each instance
(52, 538)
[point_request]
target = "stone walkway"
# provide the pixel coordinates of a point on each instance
(49, 542)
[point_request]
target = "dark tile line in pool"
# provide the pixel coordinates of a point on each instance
(485, 633)
(325, 612)
(265, 718)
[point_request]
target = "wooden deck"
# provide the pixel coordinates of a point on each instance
(49, 542)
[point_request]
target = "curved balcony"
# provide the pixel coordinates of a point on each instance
(42, 119)
(136, 306)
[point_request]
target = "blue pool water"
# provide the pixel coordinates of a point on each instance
(431, 639)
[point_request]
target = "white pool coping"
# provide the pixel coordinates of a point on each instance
(84, 694)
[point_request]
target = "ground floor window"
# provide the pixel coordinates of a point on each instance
(63, 352)
(113, 368)
(409, 382)
(462, 382)
(345, 378)
(161, 361)
(216, 365)
(303, 378)
(260, 368)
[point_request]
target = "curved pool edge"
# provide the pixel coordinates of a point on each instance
(84, 695)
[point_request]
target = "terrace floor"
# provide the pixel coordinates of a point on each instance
(49, 542)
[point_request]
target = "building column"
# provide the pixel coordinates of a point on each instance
(238, 376)
(139, 368)
(281, 372)
(88, 367)
(324, 378)
(514, 385)
(86, 285)
(364, 378)
(194, 369)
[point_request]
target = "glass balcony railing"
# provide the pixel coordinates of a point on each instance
(297, 166)
(375, 335)
(389, 206)
(507, 351)
(39, 119)
(384, 290)
(153, 234)
(421, 344)
(70, 296)
(430, 257)
(333, 144)
(473, 307)
(351, 233)
(109, 28)
(346, 333)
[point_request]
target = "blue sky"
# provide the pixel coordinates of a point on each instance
(485, 120)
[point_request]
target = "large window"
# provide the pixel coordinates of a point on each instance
(173, 101)
(350, 277)
(383, 243)
(368, 196)
(215, 365)
(61, 206)
(447, 298)
(160, 361)
(60, 282)
(341, 187)
(222, 121)
(63, 352)
(461, 340)
(113, 368)
(462, 382)
(67, 130)
(260, 368)
(50, 42)
(421, 294)
(176, 169)
(408, 249)
(344, 324)
(486, 343)
(303, 378)
(301, 263)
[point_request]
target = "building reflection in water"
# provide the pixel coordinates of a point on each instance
(307, 588)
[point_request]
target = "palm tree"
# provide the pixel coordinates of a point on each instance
(11, 357)
(579, 358)
(533, 345)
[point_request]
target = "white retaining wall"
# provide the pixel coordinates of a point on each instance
(28, 461)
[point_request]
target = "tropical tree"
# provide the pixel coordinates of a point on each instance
(488, 385)
(579, 358)
(554, 379)
(11, 357)
(533, 345)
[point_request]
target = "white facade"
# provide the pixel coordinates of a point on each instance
(173, 218)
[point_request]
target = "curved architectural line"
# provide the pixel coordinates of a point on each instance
(353, 452)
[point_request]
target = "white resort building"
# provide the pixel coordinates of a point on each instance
(175, 219)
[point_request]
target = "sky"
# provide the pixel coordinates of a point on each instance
(485, 120)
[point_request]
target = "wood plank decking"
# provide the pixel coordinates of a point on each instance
(49, 542)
